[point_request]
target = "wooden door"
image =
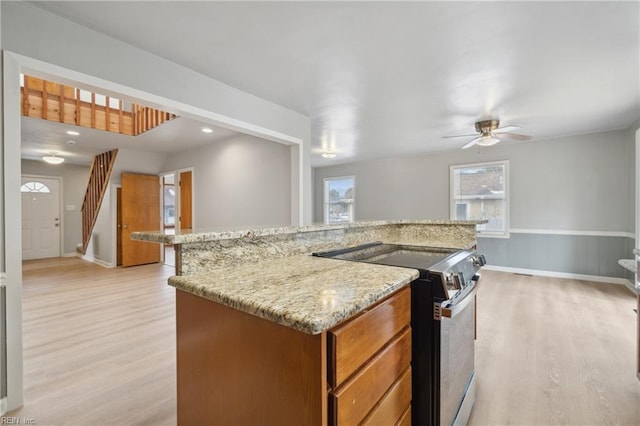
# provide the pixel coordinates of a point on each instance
(41, 220)
(140, 212)
(119, 225)
(186, 211)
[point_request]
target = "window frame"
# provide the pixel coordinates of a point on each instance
(506, 198)
(326, 202)
(42, 189)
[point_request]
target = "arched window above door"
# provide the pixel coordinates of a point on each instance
(35, 186)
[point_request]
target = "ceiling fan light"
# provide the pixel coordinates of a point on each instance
(52, 159)
(328, 154)
(487, 141)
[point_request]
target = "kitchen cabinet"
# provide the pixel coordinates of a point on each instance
(236, 368)
(368, 357)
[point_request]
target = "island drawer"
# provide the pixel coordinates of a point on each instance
(351, 344)
(351, 402)
(405, 419)
(393, 404)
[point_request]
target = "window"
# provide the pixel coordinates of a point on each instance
(339, 199)
(480, 192)
(169, 200)
(35, 187)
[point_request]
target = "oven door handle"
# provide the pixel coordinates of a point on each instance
(450, 311)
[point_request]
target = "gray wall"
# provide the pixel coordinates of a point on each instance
(576, 189)
(74, 185)
(240, 181)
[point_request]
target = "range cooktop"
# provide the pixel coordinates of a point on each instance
(408, 256)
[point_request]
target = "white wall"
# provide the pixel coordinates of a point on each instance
(102, 247)
(75, 178)
(102, 241)
(48, 46)
(131, 161)
(74, 184)
(240, 181)
(37, 34)
(16, 385)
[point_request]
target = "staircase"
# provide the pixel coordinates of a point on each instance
(64, 104)
(101, 168)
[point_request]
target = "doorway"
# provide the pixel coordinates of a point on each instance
(185, 191)
(169, 200)
(177, 207)
(41, 218)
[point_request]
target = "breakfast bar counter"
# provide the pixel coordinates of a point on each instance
(203, 250)
(306, 293)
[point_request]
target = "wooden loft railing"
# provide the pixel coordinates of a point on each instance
(99, 175)
(145, 118)
(64, 104)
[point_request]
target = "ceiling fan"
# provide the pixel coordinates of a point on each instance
(491, 133)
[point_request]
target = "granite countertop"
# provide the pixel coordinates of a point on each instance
(307, 293)
(629, 264)
(199, 236)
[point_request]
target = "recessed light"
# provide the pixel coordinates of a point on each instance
(207, 130)
(73, 133)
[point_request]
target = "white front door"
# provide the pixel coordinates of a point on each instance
(41, 220)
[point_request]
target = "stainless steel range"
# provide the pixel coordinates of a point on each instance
(442, 322)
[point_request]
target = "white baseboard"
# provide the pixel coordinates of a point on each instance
(3, 406)
(633, 289)
(596, 278)
(98, 261)
(72, 254)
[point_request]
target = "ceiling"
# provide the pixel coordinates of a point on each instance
(383, 79)
(41, 137)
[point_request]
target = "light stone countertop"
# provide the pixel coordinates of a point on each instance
(200, 236)
(628, 264)
(307, 293)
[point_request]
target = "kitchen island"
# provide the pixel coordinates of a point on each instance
(268, 334)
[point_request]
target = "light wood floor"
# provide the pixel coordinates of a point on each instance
(555, 352)
(100, 348)
(99, 344)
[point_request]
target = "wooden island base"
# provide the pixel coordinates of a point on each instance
(236, 368)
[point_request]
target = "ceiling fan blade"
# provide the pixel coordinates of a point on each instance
(460, 136)
(471, 143)
(515, 136)
(506, 129)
